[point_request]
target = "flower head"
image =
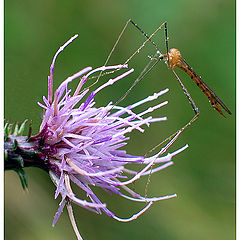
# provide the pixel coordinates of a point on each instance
(82, 143)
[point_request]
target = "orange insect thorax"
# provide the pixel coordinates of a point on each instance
(175, 58)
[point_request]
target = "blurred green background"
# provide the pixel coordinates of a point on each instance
(203, 176)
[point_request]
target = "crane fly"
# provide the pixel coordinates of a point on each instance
(174, 59)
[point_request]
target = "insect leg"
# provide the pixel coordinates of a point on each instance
(195, 109)
(166, 40)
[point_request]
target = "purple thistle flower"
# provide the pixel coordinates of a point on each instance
(82, 144)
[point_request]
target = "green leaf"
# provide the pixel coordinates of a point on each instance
(15, 133)
(23, 177)
(9, 128)
(22, 127)
(6, 132)
(30, 130)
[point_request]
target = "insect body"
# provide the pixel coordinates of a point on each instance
(175, 60)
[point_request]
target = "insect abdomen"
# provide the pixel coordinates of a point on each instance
(197, 79)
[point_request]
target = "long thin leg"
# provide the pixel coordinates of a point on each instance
(148, 67)
(112, 50)
(194, 107)
(190, 101)
(136, 52)
(195, 117)
(149, 39)
(145, 71)
(116, 43)
(155, 45)
(187, 94)
(144, 34)
(166, 41)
